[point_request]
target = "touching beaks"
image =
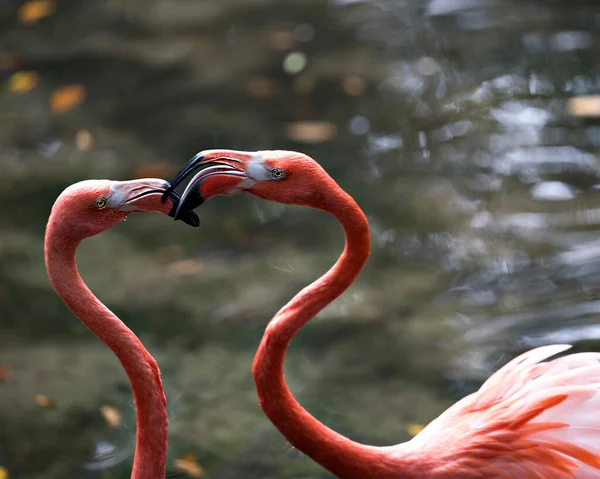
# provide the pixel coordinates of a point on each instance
(192, 164)
(221, 173)
(150, 194)
(187, 216)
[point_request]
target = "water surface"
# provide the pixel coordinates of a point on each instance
(451, 122)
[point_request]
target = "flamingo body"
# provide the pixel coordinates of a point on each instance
(82, 210)
(531, 419)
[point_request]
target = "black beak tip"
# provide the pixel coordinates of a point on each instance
(185, 210)
(192, 164)
(187, 215)
(168, 193)
(191, 200)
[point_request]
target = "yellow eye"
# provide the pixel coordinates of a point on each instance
(100, 203)
(277, 174)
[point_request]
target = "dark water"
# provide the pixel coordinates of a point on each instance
(451, 122)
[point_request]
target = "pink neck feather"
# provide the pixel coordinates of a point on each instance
(140, 366)
(341, 456)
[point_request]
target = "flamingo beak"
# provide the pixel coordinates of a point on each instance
(193, 164)
(219, 176)
(188, 216)
(143, 195)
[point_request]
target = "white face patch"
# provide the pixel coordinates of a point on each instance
(257, 169)
(116, 196)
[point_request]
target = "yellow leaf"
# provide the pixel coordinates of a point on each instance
(188, 465)
(354, 85)
(262, 87)
(111, 416)
(414, 429)
(5, 374)
(186, 267)
(585, 106)
(3, 473)
(311, 131)
(304, 83)
(9, 61)
(35, 10)
(281, 39)
(66, 98)
(22, 82)
(44, 401)
(169, 252)
(154, 170)
(84, 140)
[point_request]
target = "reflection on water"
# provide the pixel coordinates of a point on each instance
(466, 129)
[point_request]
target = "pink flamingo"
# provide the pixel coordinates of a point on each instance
(83, 210)
(531, 419)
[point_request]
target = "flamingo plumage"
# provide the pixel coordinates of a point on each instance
(536, 417)
(86, 209)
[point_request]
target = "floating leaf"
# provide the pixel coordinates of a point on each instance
(44, 401)
(84, 140)
(587, 106)
(169, 252)
(66, 98)
(111, 416)
(34, 10)
(5, 373)
(22, 82)
(281, 39)
(9, 61)
(154, 170)
(304, 83)
(235, 231)
(262, 87)
(354, 85)
(414, 429)
(189, 465)
(311, 131)
(303, 111)
(3, 473)
(186, 267)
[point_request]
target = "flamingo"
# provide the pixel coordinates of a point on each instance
(535, 417)
(83, 210)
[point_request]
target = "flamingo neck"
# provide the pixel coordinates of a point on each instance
(141, 368)
(341, 456)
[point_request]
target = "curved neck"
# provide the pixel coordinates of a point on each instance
(141, 368)
(338, 454)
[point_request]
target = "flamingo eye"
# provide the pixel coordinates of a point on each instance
(100, 203)
(277, 174)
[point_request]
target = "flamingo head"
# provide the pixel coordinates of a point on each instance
(89, 207)
(282, 176)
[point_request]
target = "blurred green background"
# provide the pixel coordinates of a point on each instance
(466, 129)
